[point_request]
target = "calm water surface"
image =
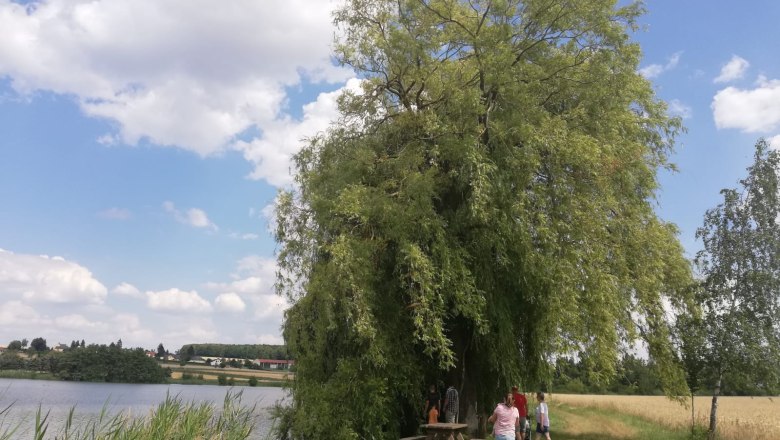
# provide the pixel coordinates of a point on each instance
(137, 400)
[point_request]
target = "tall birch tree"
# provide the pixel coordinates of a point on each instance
(740, 265)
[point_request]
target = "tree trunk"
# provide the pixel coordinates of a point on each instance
(714, 409)
(693, 414)
(462, 376)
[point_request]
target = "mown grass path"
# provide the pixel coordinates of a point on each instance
(578, 423)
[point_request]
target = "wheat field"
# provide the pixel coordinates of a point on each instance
(756, 418)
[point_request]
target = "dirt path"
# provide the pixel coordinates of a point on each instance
(573, 424)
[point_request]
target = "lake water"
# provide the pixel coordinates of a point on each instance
(137, 400)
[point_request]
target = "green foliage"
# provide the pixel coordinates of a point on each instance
(634, 376)
(94, 363)
(483, 205)
(252, 381)
(15, 345)
(222, 379)
(39, 345)
(740, 294)
(10, 360)
(240, 351)
(741, 288)
(691, 341)
(100, 363)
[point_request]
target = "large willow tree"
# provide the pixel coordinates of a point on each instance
(484, 204)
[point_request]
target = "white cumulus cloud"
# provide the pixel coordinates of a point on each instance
(254, 281)
(42, 278)
(774, 142)
(194, 74)
(732, 70)
(127, 289)
(255, 275)
(269, 306)
(129, 327)
(77, 322)
(202, 332)
(259, 266)
(750, 110)
(282, 138)
(267, 338)
(678, 108)
(198, 218)
(230, 302)
(194, 217)
(18, 313)
(243, 236)
(655, 70)
(177, 301)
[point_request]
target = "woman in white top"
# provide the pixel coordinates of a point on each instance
(542, 417)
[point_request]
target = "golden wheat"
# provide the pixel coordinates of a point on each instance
(755, 418)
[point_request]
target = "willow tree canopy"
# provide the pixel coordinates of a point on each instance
(484, 204)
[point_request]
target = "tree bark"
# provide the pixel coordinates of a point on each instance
(693, 414)
(714, 409)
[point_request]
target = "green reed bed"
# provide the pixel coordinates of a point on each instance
(171, 420)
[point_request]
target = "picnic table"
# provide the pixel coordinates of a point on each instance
(444, 431)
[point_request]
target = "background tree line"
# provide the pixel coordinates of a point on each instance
(91, 363)
(240, 351)
(637, 376)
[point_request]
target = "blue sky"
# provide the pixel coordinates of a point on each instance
(142, 144)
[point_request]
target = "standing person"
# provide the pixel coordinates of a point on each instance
(433, 415)
(451, 405)
(432, 402)
(521, 403)
(505, 419)
(542, 417)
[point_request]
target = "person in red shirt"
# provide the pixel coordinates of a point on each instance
(521, 403)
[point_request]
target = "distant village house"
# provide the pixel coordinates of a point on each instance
(274, 364)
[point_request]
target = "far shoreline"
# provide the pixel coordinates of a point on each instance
(43, 376)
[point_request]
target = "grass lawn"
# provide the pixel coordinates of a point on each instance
(578, 423)
(581, 423)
